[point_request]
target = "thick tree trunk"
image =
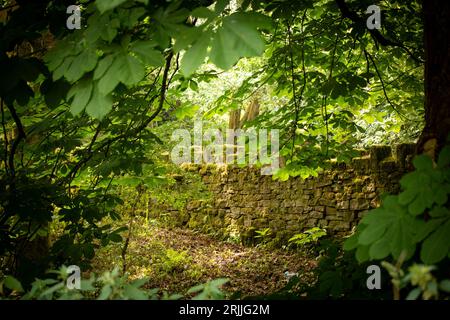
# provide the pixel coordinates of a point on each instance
(437, 76)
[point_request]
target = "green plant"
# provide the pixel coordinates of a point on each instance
(424, 284)
(310, 236)
(263, 236)
(174, 261)
(108, 286)
(210, 290)
(340, 276)
(413, 225)
(416, 219)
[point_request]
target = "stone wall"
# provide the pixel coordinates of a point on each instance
(244, 201)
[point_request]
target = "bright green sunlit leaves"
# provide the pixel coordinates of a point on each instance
(238, 37)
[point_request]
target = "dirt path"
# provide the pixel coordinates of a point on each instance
(177, 259)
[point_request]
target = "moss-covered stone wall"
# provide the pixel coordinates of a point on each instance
(243, 201)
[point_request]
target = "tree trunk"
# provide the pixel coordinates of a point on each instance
(437, 76)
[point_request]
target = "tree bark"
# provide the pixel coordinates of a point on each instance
(437, 76)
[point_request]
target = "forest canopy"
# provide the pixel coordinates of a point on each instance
(91, 95)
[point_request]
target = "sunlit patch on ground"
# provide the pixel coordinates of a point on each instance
(176, 259)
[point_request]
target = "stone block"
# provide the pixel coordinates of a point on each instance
(343, 205)
(359, 204)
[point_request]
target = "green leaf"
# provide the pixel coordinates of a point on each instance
(134, 293)
(109, 80)
(253, 19)
(236, 38)
(83, 63)
(219, 282)
(423, 162)
(419, 205)
(195, 56)
(202, 12)
(196, 288)
(132, 71)
(139, 282)
(105, 293)
(422, 188)
(445, 285)
(105, 5)
(351, 242)
(380, 249)
(146, 52)
(220, 5)
(187, 111)
(90, 59)
(427, 227)
(362, 253)
(49, 292)
(100, 105)
(406, 197)
(390, 228)
(82, 94)
(184, 39)
(222, 53)
(414, 294)
(436, 246)
(103, 66)
(114, 237)
(109, 29)
(63, 67)
(126, 69)
(401, 236)
(372, 233)
(248, 41)
(439, 212)
(13, 284)
(444, 157)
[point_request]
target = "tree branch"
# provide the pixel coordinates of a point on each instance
(133, 132)
(5, 136)
(384, 87)
(375, 33)
(21, 135)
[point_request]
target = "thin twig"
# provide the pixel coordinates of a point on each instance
(384, 88)
(5, 137)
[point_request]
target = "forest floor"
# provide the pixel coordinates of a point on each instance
(176, 259)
